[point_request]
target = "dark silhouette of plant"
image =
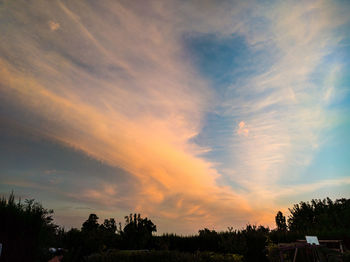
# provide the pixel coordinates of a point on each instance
(281, 222)
(26, 230)
(256, 240)
(320, 216)
(90, 224)
(162, 256)
(137, 232)
(109, 225)
(99, 237)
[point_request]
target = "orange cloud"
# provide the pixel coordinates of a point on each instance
(242, 129)
(117, 85)
(53, 25)
(152, 147)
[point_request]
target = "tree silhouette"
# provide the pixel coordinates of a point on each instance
(91, 223)
(25, 229)
(281, 222)
(109, 225)
(98, 237)
(321, 216)
(138, 231)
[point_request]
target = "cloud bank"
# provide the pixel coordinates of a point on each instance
(114, 80)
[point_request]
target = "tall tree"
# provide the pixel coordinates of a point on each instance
(319, 216)
(281, 221)
(25, 229)
(91, 223)
(109, 225)
(138, 231)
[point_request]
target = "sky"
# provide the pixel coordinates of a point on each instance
(193, 113)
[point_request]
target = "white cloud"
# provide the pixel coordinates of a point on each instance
(287, 113)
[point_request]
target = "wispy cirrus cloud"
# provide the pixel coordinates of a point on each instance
(116, 81)
(286, 110)
(122, 92)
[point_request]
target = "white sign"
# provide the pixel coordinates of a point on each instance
(312, 240)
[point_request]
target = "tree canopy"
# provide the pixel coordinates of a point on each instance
(25, 229)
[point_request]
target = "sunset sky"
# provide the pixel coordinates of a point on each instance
(193, 113)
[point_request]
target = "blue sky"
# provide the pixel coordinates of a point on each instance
(194, 113)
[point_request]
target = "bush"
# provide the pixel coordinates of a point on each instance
(346, 256)
(273, 252)
(26, 230)
(162, 256)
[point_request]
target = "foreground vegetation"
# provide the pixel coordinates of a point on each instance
(161, 256)
(27, 231)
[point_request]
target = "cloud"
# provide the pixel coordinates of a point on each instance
(54, 26)
(313, 187)
(286, 110)
(123, 93)
(118, 85)
(242, 129)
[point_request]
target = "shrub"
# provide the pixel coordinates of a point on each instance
(26, 230)
(162, 256)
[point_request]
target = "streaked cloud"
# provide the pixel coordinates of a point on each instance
(116, 81)
(286, 110)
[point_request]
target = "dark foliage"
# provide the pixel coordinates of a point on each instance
(162, 256)
(281, 222)
(249, 242)
(26, 230)
(137, 233)
(324, 217)
(94, 237)
(91, 224)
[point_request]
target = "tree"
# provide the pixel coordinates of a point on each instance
(319, 216)
(91, 223)
(137, 231)
(281, 222)
(109, 225)
(26, 230)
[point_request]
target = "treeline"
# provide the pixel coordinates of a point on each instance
(27, 231)
(94, 237)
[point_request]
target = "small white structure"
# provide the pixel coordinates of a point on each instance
(312, 240)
